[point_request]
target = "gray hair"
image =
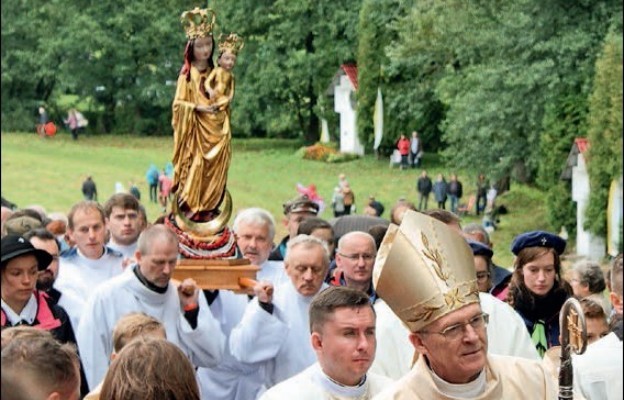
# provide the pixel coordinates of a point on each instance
(151, 234)
(591, 275)
(473, 228)
(307, 242)
(255, 216)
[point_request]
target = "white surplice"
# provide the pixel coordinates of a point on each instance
(281, 340)
(598, 373)
(313, 384)
(79, 276)
(124, 294)
(230, 379)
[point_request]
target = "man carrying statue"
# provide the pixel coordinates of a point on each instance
(425, 272)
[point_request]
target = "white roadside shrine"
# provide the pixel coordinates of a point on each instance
(343, 88)
(587, 244)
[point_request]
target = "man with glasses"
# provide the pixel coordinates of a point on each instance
(355, 258)
(274, 331)
(425, 273)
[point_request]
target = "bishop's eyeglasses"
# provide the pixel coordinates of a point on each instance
(457, 330)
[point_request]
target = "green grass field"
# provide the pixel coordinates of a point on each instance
(263, 173)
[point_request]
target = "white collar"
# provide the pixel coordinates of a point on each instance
(331, 386)
(468, 390)
(28, 314)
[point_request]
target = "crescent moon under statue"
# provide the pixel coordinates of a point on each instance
(204, 228)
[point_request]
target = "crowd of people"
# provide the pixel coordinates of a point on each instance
(349, 311)
(358, 307)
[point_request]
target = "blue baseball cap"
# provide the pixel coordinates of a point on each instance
(538, 239)
(479, 249)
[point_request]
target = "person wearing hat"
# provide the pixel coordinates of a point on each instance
(22, 303)
(500, 276)
(295, 211)
(22, 266)
(19, 224)
(424, 271)
(506, 332)
(483, 264)
(537, 291)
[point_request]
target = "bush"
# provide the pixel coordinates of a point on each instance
(316, 152)
(324, 152)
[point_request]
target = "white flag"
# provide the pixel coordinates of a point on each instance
(378, 119)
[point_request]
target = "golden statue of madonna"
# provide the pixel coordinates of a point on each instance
(202, 135)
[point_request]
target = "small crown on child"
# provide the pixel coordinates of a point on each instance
(231, 42)
(198, 22)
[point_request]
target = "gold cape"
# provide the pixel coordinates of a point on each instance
(202, 146)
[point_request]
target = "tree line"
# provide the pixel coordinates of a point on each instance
(493, 85)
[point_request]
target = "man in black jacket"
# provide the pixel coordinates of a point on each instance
(423, 186)
(455, 192)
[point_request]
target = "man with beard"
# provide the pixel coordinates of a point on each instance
(43, 239)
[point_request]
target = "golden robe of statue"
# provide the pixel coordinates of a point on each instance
(202, 145)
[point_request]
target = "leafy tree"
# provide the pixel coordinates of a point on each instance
(375, 30)
(604, 157)
(292, 51)
(564, 120)
(495, 66)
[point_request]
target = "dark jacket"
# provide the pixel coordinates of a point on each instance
(279, 252)
(455, 189)
(424, 185)
(53, 318)
(543, 310)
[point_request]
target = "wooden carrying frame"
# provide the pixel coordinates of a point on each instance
(237, 275)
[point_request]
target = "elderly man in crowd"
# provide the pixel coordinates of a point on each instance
(255, 233)
(146, 287)
(295, 211)
(424, 271)
(342, 325)
(273, 331)
(232, 379)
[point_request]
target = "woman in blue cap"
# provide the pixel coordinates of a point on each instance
(537, 290)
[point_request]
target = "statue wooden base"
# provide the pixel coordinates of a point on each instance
(237, 275)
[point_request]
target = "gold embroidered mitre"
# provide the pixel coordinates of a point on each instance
(232, 43)
(198, 22)
(424, 270)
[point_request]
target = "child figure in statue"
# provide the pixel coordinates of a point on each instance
(220, 83)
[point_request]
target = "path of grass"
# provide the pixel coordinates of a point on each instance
(263, 173)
